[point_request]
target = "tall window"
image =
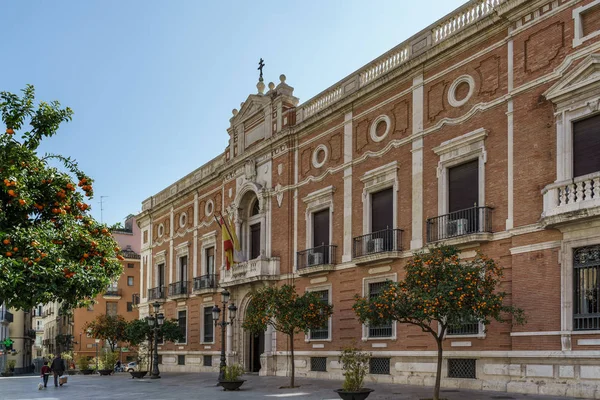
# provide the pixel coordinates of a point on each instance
(382, 210)
(130, 265)
(129, 306)
(254, 241)
(586, 293)
(183, 268)
(111, 309)
(463, 196)
(320, 225)
(323, 331)
(384, 330)
(182, 322)
(160, 275)
(208, 332)
(210, 260)
(130, 281)
(586, 146)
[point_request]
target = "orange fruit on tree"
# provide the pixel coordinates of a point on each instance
(10, 131)
(6, 241)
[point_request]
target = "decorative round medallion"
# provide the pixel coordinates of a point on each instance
(209, 208)
(182, 220)
(320, 156)
(161, 230)
(461, 90)
(380, 128)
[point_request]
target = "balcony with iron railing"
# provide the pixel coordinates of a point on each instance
(571, 200)
(377, 246)
(469, 225)
(205, 283)
(259, 269)
(112, 293)
(318, 259)
(135, 299)
(157, 293)
(179, 289)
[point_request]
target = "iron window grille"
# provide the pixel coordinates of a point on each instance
(322, 332)
(207, 361)
(586, 291)
(318, 364)
(181, 360)
(157, 293)
(320, 255)
(464, 368)
(384, 330)
(379, 366)
(467, 328)
(179, 288)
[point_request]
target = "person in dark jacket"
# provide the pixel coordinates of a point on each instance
(58, 368)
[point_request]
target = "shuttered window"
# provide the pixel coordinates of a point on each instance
(183, 268)
(382, 210)
(463, 186)
(321, 228)
(586, 146)
(254, 241)
(161, 275)
(210, 261)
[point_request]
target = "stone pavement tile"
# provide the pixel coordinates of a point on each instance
(202, 386)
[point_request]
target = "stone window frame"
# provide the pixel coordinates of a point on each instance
(365, 292)
(316, 201)
(578, 37)
(376, 180)
(456, 151)
(183, 220)
(452, 100)
(318, 288)
(373, 128)
(209, 207)
(202, 307)
(315, 156)
(208, 240)
(568, 245)
(160, 230)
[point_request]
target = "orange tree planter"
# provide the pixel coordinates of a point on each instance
(50, 246)
(439, 287)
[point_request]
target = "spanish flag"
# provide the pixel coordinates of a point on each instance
(237, 250)
(227, 243)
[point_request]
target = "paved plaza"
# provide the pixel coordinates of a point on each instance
(202, 386)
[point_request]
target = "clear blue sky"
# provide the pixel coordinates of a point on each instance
(152, 83)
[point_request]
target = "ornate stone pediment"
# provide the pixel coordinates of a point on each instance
(253, 105)
(583, 81)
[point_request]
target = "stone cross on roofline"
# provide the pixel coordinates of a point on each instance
(261, 65)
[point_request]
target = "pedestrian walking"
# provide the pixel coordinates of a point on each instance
(58, 368)
(45, 373)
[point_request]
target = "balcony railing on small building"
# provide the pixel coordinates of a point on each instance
(180, 288)
(208, 281)
(459, 223)
(157, 293)
(112, 292)
(387, 240)
(320, 255)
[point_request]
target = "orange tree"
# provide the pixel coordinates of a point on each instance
(51, 249)
(441, 288)
(111, 328)
(287, 312)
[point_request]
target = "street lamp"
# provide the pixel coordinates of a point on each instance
(215, 314)
(155, 322)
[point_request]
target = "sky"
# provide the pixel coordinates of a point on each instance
(152, 83)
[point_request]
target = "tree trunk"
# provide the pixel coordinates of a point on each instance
(438, 374)
(293, 363)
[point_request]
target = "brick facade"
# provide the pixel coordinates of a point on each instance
(497, 83)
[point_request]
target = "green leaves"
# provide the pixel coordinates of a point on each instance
(50, 246)
(441, 287)
(108, 327)
(285, 310)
